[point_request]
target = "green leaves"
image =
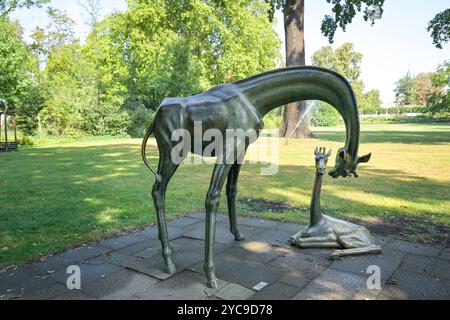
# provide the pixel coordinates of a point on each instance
(440, 28)
(345, 10)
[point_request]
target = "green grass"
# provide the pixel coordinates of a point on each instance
(56, 196)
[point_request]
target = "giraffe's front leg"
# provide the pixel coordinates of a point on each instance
(212, 204)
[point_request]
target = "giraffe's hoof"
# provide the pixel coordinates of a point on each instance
(212, 283)
(170, 268)
(239, 237)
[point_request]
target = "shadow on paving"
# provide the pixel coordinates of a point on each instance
(131, 267)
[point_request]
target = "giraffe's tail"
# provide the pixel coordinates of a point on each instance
(143, 152)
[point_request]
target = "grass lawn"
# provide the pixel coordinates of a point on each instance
(56, 196)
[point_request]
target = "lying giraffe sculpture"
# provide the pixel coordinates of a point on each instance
(241, 105)
(327, 232)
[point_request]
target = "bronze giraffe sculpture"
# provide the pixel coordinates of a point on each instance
(242, 105)
(328, 232)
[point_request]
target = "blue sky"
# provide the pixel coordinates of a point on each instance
(397, 43)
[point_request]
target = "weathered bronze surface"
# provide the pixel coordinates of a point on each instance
(242, 105)
(327, 232)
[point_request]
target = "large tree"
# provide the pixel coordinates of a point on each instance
(343, 12)
(17, 76)
(8, 6)
(439, 28)
(405, 90)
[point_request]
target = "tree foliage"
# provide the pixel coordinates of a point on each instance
(439, 28)
(17, 76)
(8, 6)
(343, 13)
(439, 99)
(346, 61)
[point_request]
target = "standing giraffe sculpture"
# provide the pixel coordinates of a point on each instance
(241, 105)
(327, 232)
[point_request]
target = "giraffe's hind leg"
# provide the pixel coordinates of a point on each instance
(232, 180)
(166, 169)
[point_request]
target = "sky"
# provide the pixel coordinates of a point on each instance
(396, 44)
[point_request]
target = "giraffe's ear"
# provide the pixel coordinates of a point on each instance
(329, 153)
(364, 158)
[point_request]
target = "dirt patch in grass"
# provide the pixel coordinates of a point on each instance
(263, 205)
(411, 229)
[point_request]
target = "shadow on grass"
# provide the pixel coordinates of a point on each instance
(402, 137)
(59, 197)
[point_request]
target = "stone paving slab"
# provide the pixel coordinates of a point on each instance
(122, 285)
(131, 267)
(360, 264)
(223, 234)
(70, 257)
(234, 291)
(186, 285)
(414, 248)
(91, 270)
(416, 286)
(242, 272)
(19, 281)
(277, 291)
(337, 285)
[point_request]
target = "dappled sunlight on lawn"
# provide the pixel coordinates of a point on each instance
(70, 193)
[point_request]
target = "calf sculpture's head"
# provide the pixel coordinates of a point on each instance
(321, 160)
(346, 164)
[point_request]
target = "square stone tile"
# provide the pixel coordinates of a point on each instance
(150, 246)
(152, 266)
(277, 291)
(91, 270)
(445, 254)
(199, 215)
(234, 291)
(426, 266)
(122, 285)
(122, 241)
(68, 258)
(152, 232)
(307, 266)
(74, 295)
(413, 248)
(337, 285)
(257, 251)
(380, 240)
(47, 293)
(256, 222)
(20, 281)
(291, 228)
(359, 264)
(186, 285)
(411, 286)
(182, 222)
(242, 272)
(223, 234)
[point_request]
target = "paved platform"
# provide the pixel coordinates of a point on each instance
(263, 267)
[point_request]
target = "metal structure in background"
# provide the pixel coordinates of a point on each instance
(5, 143)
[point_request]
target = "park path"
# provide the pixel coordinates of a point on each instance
(264, 267)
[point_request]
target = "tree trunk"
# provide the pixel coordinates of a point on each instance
(295, 124)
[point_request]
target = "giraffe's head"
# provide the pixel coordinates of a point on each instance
(321, 159)
(346, 164)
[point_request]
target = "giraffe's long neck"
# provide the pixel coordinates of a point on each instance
(273, 89)
(315, 213)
